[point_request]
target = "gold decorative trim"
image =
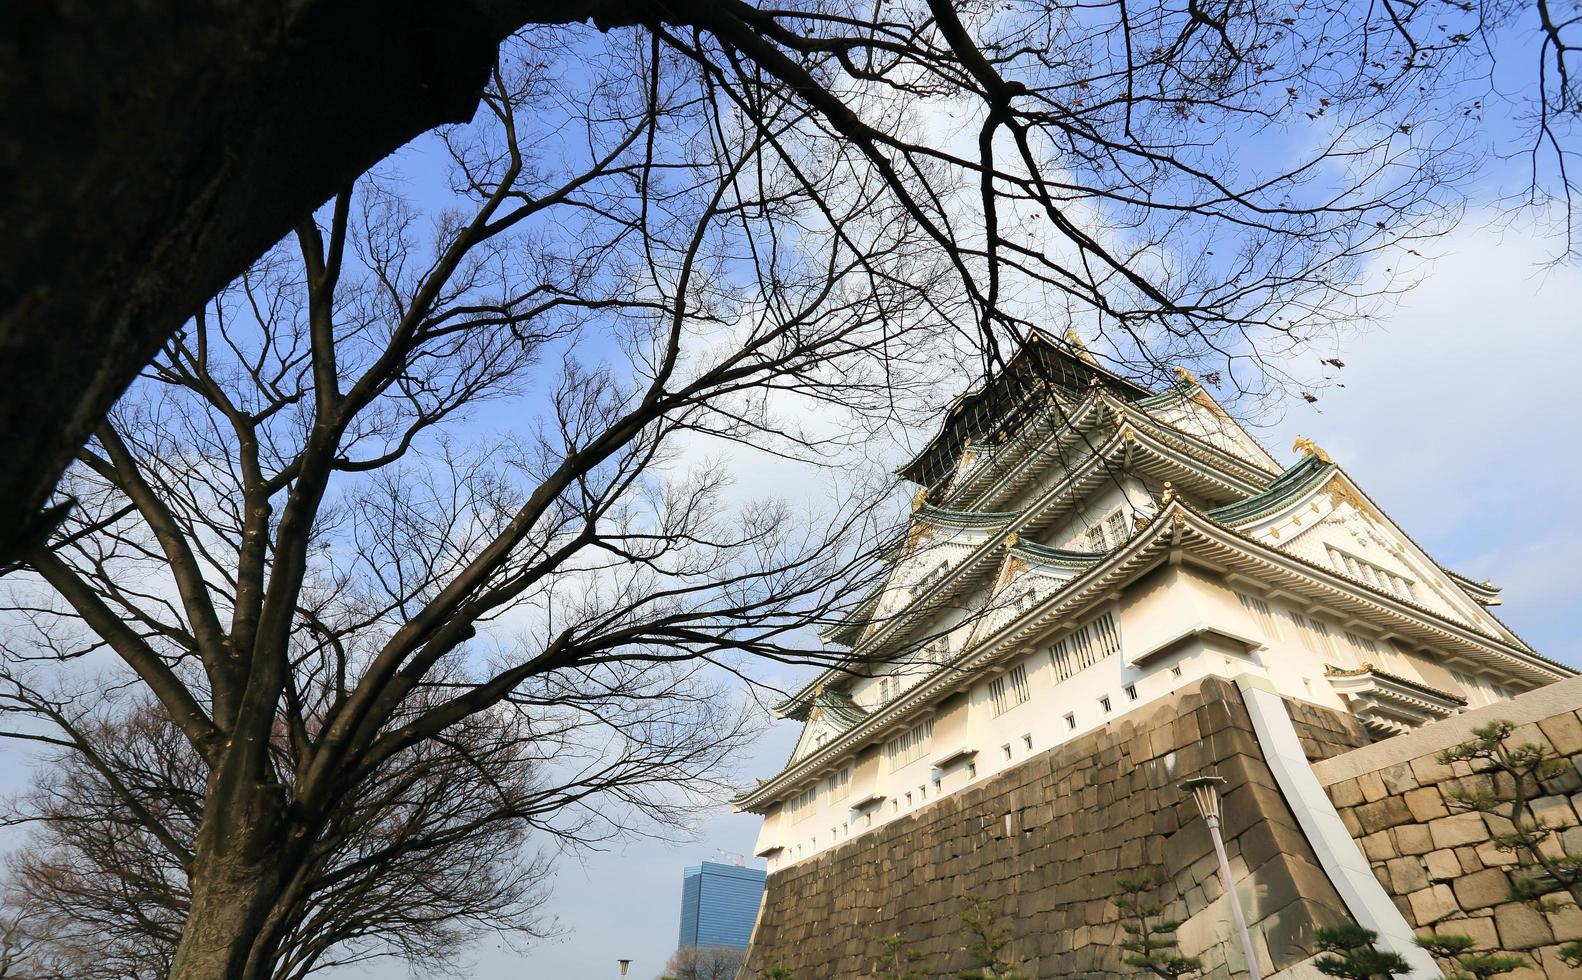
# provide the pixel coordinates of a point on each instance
(1013, 567)
(1075, 340)
(1301, 445)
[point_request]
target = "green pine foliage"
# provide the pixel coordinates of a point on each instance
(1152, 946)
(990, 942)
(1516, 775)
(1351, 954)
(1470, 963)
(776, 973)
(896, 962)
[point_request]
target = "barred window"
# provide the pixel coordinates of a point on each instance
(1084, 647)
(802, 805)
(1372, 574)
(838, 786)
(1367, 649)
(1096, 538)
(1115, 529)
(910, 745)
(1107, 532)
(1314, 634)
(1009, 689)
(1262, 613)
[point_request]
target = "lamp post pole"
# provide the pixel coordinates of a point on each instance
(1205, 793)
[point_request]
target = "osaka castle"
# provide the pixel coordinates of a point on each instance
(1081, 546)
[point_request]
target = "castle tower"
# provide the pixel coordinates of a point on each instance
(1082, 548)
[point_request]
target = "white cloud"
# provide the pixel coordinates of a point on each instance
(1458, 416)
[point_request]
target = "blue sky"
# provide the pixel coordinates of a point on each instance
(1456, 416)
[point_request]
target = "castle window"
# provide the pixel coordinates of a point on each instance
(1084, 647)
(972, 770)
(910, 745)
(1005, 750)
(1262, 613)
(1071, 722)
(802, 805)
(1115, 529)
(1104, 702)
(1010, 689)
(1131, 692)
(1108, 532)
(839, 784)
(1027, 742)
(1374, 575)
(1315, 636)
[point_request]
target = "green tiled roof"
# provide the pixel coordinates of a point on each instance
(1057, 556)
(964, 518)
(1288, 485)
(839, 708)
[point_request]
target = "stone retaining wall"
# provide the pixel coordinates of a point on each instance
(1437, 863)
(1046, 841)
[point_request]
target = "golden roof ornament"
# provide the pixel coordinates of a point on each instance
(1168, 493)
(919, 498)
(1310, 447)
(1075, 340)
(1184, 376)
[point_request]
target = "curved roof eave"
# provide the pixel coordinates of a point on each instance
(1139, 555)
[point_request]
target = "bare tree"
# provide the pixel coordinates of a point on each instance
(1124, 152)
(704, 963)
(291, 542)
(658, 236)
(431, 850)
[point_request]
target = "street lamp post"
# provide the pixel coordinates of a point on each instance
(1205, 793)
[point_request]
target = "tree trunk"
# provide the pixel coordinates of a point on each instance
(238, 873)
(230, 902)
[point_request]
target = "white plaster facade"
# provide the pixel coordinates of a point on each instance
(1095, 558)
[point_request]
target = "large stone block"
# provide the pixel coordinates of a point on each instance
(1407, 874)
(1412, 838)
(1379, 846)
(1383, 814)
(1442, 865)
(1347, 792)
(1482, 889)
(1425, 804)
(1431, 904)
(1398, 779)
(1554, 811)
(1429, 770)
(1521, 927)
(1462, 828)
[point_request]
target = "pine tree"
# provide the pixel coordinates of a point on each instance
(1353, 955)
(1471, 964)
(1153, 944)
(990, 938)
(895, 963)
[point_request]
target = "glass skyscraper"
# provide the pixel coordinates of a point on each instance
(719, 903)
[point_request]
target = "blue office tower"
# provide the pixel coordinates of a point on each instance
(719, 904)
